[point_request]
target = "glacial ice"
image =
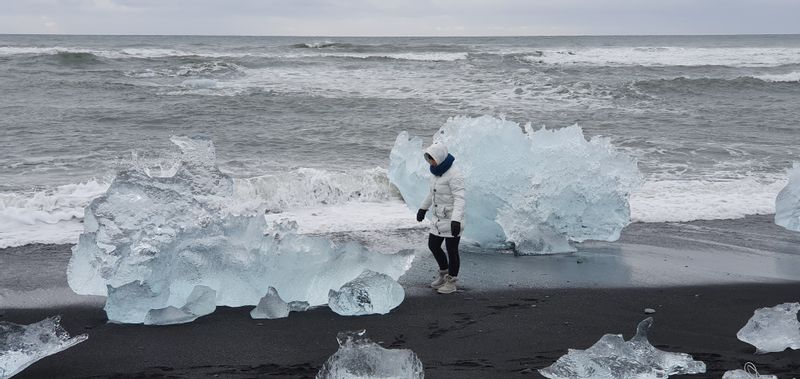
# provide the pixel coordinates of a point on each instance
(787, 204)
(749, 372)
(360, 358)
(201, 302)
(270, 306)
(150, 240)
(773, 329)
(539, 189)
(613, 358)
(369, 293)
(23, 345)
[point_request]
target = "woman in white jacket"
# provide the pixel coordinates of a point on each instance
(446, 196)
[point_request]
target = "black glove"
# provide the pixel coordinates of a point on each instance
(455, 228)
(421, 214)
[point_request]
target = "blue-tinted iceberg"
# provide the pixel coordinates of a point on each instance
(23, 345)
(787, 204)
(773, 329)
(151, 240)
(369, 293)
(360, 358)
(612, 358)
(538, 189)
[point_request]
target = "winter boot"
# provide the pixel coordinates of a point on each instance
(439, 281)
(449, 285)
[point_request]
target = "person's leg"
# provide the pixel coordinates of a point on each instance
(452, 253)
(435, 244)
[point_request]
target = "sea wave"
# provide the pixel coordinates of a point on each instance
(792, 77)
(665, 56)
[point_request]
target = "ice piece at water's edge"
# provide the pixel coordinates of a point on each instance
(612, 358)
(360, 358)
(23, 345)
(369, 293)
(773, 329)
(787, 204)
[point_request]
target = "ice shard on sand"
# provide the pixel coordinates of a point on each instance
(360, 358)
(23, 345)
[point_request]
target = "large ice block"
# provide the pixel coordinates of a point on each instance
(538, 189)
(773, 329)
(369, 293)
(613, 358)
(22, 345)
(151, 240)
(360, 358)
(787, 204)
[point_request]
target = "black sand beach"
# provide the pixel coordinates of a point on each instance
(467, 335)
(513, 315)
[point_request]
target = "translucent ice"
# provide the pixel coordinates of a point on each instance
(369, 293)
(787, 204)
(539, 189)
(271, 306)
(358, 358)
(749, 372)
(774, 329)
(201, 301)
(22, 345)
(150, 240)
(613, 358)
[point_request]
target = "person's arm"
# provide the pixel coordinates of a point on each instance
(424, 207)
(457, 189)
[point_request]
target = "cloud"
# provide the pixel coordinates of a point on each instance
(399, 17)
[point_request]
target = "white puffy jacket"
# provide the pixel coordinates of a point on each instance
(446, 195)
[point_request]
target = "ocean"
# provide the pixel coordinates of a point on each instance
(305, 124)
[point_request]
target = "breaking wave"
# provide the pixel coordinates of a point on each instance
(666, 56)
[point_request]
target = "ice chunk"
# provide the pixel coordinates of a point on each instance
(271, 306)
(201, 302)
(369, 293)
(299, 306)
(539, 189)
(358, 358)
(22, 345)
(787, 204)
(151, 240)
(774, 329)
(612, 358)
(749, 372)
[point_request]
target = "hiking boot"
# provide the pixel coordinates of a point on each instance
(440, 280)
(449, 285)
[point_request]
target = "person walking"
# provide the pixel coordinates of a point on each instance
(446, 196)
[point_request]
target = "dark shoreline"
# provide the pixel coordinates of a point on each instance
(467, 335)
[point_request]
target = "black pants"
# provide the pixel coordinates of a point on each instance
(451, 243)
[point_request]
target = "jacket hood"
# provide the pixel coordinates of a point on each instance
(438, 151)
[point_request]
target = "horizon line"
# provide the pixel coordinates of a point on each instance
(397, 36)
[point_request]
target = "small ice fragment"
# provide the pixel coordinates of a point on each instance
(749, 372)
(787, 204)
(22, 345)
(169, 316)
(772, 330)
(649, 311)
(298, 306)
(612, 357)
(270, 306)
(201, 302)
(369, 293)
(358, 358)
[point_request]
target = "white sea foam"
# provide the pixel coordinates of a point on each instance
(788, 78)
(323, 201)
(668, 56)
(46, 216)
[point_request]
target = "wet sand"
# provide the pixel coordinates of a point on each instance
(512, 316)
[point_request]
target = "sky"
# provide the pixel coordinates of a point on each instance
(400, 17)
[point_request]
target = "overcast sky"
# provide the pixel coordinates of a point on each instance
(400, 17)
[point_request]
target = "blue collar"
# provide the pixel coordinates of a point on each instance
(441, 168)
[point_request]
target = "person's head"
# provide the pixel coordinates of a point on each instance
(436, 153)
